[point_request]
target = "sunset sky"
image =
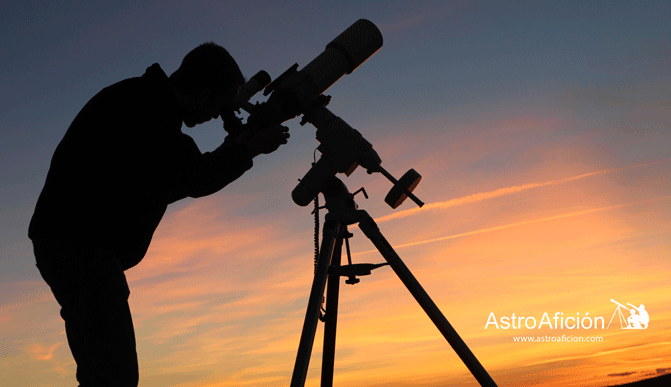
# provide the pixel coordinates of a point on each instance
(541, 130)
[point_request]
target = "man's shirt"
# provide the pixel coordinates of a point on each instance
(121, 162)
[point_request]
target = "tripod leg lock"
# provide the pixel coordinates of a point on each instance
(352, 271)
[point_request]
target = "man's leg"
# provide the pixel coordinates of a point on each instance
(93, 293)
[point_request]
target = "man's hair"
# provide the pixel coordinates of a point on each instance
(208, 66)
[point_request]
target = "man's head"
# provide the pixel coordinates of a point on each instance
(207, 80)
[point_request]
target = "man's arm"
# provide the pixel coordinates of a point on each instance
(203, 174)
(207, 173)
(265, 141)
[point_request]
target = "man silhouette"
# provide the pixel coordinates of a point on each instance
(640, 320)
(634, 319)
(121, 162)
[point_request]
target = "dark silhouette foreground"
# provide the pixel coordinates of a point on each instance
(658, 381)
(123, 160)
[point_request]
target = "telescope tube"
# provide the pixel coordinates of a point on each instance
(297, 91)
(344, 54)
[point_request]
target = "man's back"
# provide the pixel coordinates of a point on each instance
(121, 162)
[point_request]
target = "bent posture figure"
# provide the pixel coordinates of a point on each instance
(122, 161)
(640, 320)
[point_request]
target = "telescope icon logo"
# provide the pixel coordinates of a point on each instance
(638, 318)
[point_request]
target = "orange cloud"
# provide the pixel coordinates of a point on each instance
(495, 228)
(41, 352)
(608, 352)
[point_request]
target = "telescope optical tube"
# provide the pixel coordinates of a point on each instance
(298, 91)
(344, 54)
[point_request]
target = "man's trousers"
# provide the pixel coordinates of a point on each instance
(91, 288)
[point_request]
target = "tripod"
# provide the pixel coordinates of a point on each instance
(343, 211)
(624, 324)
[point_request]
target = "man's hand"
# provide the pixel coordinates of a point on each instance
(266, 140)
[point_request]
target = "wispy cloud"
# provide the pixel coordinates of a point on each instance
(497, 193)
(604, 353)
(41, 352)
(525, 222)
(417, 16)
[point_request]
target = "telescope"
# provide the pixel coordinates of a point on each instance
(300, 92)
(620, 305)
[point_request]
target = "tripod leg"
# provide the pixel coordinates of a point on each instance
(611, 319)
(623, 321)
(331, 237)
(331, 316)
(370, 229)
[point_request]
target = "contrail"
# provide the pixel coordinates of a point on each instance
(495, 228)
(497, 193)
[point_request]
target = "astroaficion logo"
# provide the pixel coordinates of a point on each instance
(637, 319)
